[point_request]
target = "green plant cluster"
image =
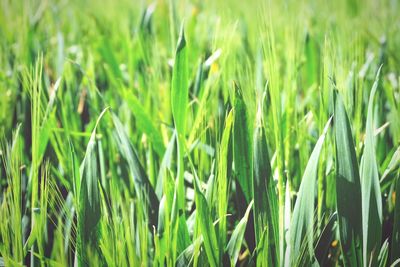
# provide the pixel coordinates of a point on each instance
(199, 133)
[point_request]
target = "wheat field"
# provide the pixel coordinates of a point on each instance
(199, 133)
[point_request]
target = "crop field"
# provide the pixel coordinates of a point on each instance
(200, 133)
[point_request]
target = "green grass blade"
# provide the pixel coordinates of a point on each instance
(370, 190)
(108, 55)
(264, 195)
(393, 164)
(179, 101)
(242, 155)
(137, 172)
(180, 238)
(89, 211)
(302, 221)
(145, 123)
(206, 225)
(383, 254)
(165, 164)
(12, 248)
(180, 85)
(223, 180)
(187, 256)
(348, 188)
(235, 243)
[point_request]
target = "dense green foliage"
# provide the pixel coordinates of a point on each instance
(199, 133)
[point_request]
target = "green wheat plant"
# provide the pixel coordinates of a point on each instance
(199, 133)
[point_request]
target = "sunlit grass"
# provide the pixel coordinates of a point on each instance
(199, 133)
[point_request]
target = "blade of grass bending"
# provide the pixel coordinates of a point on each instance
(301, 226)
(187, 256)
(264, 195)
(383, 254)
(370, 190)
(348, 188)
(235, 243)
(137, 172)
(89, 212)
(393, 164)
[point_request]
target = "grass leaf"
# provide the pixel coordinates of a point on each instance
(179, 101)
(206, 225)
(235, 243)
(242, 156)
(302, 221)
(370, 190)
(264, 194)
(89, 211)
(137, 173)
(223, 179)
(348, 188)
(145, 123)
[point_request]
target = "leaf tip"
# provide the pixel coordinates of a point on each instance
(181, 41)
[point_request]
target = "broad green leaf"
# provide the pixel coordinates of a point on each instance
(348, 188)
(235, 243)
(302, 222)
(370, 190)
